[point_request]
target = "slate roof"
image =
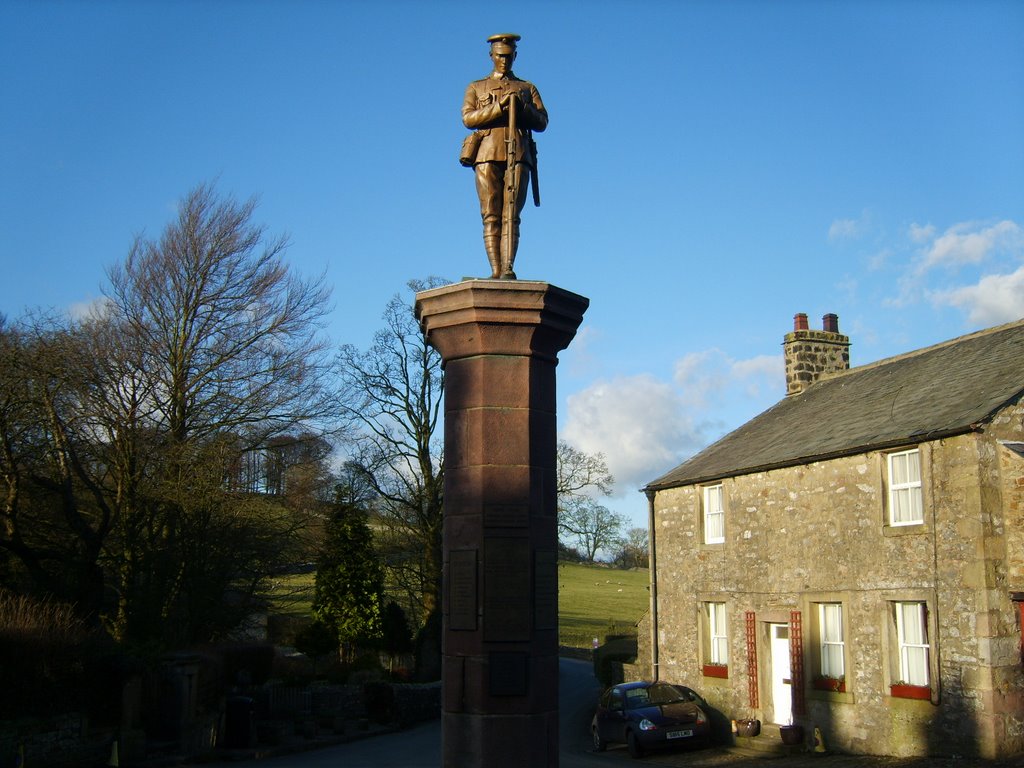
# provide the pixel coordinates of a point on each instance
(947, 389)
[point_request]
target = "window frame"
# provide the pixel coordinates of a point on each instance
(706, 514)
(913, 489)
(826, 643)
(714, 627)
(904, 645)
(819, 686)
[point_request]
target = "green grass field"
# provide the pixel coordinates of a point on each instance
(592, 601)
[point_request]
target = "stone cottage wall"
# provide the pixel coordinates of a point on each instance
(818, 533)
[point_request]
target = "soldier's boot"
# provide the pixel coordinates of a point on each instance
(508, 256)
(492, 244)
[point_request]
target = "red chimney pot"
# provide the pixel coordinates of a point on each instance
(800, 321)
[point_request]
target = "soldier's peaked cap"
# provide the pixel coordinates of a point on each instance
(503, 43)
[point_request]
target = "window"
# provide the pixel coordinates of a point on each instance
(905, 488)
(714, 515)
(718, 633)
(830, 628)
(912, 637)
(716, 645)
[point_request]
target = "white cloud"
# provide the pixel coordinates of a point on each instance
(90, 309)
(921, 233)
(757, 376)
(637, 422)
(966, 243)
(644, 426)
(842, 229)
(879, 259)
(959, 251)
(993, 300)
(700, 374)
(849, 229)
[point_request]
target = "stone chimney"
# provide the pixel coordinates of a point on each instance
(811, 355)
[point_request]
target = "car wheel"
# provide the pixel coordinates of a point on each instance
(599, 744)
(633, 744)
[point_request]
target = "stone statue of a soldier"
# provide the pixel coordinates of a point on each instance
(503, 111)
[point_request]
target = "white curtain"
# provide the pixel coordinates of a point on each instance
(831, 618)
(719, 633)
(905, 487)
(913, 639)
(714, 515)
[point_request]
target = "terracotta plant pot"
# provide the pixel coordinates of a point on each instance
(748, 727)
(792, 734)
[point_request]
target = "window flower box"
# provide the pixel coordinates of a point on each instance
(907, 691)
(825, 683)
(716, 670)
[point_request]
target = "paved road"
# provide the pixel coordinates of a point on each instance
(420, 747)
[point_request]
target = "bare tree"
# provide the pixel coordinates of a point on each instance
(581, 473)
(122, 434)
(587, 525)
(220, 346)
(392, 396)
(590, 525)
(53, 526)
(228, 336)
(633, 551)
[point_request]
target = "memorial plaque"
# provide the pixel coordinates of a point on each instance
(462, 589)
(545, 586)
(455, 684)
(508, 601)
(506, 516)
(507, 674)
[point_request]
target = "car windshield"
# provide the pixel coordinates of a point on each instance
(654, 695)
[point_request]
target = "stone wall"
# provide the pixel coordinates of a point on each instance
(818, 533)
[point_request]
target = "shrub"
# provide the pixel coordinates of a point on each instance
(248, 663)
(53, 663)
(379, 701)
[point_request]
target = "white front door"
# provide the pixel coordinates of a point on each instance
(782, 688)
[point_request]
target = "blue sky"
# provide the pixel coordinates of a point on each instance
(710, 169)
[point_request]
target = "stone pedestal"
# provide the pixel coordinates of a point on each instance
(499, 341)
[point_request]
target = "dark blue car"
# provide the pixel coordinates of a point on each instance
(647, 716)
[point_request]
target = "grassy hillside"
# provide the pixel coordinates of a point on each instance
(595, 601)
(592, 601)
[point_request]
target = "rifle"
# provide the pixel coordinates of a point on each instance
(511, 184)
(533, 175)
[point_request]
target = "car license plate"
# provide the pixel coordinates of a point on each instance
(678, 734)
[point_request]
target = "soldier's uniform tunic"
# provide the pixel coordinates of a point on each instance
(481, 111)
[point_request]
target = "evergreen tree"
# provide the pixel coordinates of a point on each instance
(397, 636)
(349, 592)
(316, 640)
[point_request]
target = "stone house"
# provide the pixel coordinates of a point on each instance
(852, 559)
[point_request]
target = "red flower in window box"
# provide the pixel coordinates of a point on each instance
(716, 670)
(826, 683)
(907, 691)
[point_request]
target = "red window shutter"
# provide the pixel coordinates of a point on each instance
(751, 624)
(1020, 607)
(796, 661)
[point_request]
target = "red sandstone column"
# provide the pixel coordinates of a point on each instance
(499, 340)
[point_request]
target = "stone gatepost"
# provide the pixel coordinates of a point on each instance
(499, 341)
